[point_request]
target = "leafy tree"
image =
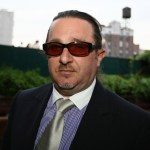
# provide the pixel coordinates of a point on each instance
(145, 58)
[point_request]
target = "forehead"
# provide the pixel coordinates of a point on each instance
(73, 27)
(71, 20)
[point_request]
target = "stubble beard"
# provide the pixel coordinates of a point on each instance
(66, 86)
(66, 89)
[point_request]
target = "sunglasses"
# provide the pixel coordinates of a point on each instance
(79, 49)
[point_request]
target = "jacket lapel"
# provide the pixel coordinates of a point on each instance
(95, 122)
(43, 100)
(39, 103)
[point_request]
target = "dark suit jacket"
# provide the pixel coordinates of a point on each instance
(109, 122)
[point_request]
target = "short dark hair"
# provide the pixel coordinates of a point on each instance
(82, 15)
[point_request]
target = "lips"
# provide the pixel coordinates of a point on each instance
(66, 73)
(65, 70)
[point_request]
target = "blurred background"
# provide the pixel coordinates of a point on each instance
(28, 21)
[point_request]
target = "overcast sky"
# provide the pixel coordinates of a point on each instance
(33, 17)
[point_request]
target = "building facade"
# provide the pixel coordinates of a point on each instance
(6, 27)
(118, 41)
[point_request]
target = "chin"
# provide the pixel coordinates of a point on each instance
(66, 85)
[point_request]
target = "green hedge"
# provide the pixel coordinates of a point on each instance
(135, 87)
(132, 87)
(12, 80)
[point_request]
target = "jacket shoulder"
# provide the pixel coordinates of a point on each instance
(36, 92)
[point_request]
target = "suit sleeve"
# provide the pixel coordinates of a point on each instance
(143, 140)
(6, 141)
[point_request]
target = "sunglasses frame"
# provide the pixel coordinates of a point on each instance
(90, 47)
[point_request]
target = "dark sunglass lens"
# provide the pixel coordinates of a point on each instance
(79, 49)
(54, 49)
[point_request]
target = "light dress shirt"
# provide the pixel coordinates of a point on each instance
(72, 117)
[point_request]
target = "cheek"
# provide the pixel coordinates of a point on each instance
(89, 65)
(52, 63)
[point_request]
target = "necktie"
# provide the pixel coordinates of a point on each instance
(51, 137)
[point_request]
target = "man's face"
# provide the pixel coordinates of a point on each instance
(72, 74)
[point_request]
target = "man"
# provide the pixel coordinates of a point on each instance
(99, 120)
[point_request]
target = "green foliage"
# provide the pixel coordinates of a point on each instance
(12, 80)
(134, 87)
(145, 58)
(142, 88)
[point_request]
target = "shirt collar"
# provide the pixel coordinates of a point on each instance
(80, 99)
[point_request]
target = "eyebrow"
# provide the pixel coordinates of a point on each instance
(59, 40)
(54, 40)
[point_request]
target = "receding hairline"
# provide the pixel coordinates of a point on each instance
(67, 17)
(97, 28)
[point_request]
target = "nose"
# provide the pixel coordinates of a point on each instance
(65, 57)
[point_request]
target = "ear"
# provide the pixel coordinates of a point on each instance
(101, 54)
